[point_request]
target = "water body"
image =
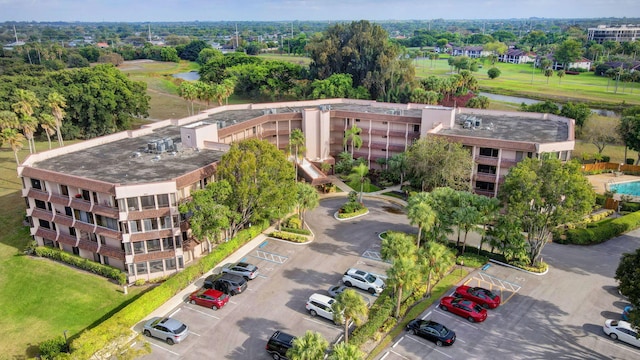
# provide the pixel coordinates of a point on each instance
(519, 100)
(191, 75)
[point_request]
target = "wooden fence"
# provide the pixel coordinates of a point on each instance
(603, 166)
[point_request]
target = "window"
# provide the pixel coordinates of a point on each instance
(165, 222)
(85, 195)
(96, 257)
(83, 216)
(148, 202)
(178, 242)
(132, 204)
(138, 247)
(141, 268)
(153, 245)
(172, 198)
(72, 231)
(95, 197)
(150, 224)
(180, 262)
(416, 128)
(487, 169)
(36, 184)
(167, 243)
(163, 200)
(156, 266)
(40, 204)
(135, 226)
(127, 248)
(483, 185)
(170, 264)
(76, 250)
(68, 211)
(105, 260)
(64, 190)
(44, 224)
(48, 243)
(489, 152)
(103, 240)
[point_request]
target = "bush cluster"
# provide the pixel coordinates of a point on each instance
(352, 214)
(378, 314)
(97, 338)
(296, 230)
(81, 263)
(351, 207)
(601, 231)
(288, 236)
(50, 349)
(293, 222)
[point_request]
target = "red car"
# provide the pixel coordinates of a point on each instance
(463, 307)
(210, 298)
(480, 296)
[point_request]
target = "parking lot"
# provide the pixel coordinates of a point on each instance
(555, 316)
(289, 274)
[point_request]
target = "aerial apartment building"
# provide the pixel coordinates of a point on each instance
(114, 199)
(622, 33)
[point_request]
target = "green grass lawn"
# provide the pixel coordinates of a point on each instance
(39, 298)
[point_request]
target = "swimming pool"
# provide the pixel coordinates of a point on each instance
(627, 188)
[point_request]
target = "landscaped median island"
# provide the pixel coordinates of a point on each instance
(352, 208)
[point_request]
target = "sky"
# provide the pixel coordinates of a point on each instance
(290, 10)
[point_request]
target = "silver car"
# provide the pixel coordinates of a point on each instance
(244, 269)
(170, 330)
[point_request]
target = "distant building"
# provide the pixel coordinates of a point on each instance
(582, 63)
(517, 56)
(470, 51)
(622, 33)
(114, 199)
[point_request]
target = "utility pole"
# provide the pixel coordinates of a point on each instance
(237, 40)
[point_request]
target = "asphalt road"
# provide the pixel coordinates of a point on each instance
(290, 273)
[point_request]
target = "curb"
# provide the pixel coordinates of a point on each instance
(517, 268)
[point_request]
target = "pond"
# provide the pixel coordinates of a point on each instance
(520, 100)
(191, 75)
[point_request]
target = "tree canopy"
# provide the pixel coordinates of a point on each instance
(628, 276)
(436, 162)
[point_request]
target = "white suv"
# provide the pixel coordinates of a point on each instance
(319, 304)
(363, 280)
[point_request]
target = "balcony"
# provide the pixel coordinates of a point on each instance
(156, 255)
(106, 210)
(80, 204)
(115, 234)
(487, 193)
(486, 160)
(487, 177)
(112, 252)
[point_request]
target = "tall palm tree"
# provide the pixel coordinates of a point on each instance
(57, 103)
(296, 139)
(359, 175)
(308, 198)
(344, 351)
(398, 163)
(24, 108)
(434, 260)
(229, 86)
(349, 306)
(420, 213)
(395, 245)
(311, 346)
(188, 92)
(48, 124)
(352, 136)
(403, 274)
(15, 139)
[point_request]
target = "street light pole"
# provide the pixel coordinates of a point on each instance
(66, 343)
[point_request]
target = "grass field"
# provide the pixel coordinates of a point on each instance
(40, 299)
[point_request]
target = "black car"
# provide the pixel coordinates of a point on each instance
(432, 331)
(227, 283)
(278, 345)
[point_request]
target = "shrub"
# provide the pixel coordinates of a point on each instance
(81, 263)
(296, 231)
(51, 348)
(494, 72)
(351, 207)
(346, 215)
(288, 236)
(601, 231)
(294, 222)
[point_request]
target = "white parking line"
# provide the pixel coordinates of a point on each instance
(175, 312)
(384, 356)
(321, 323)
(397, 342)
(233, 302)
(158, 346)
(404, 357)
(465, 322)
(202, 312)
(621, 346)
(427, 344)
(427, 315)
(191, 332)
(262, 276)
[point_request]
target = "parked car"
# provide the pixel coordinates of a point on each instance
(278, 345)
(363, 280)
(339, 289)
(319, 304)
(621, 330)
(465, 308)
(481, 296)
(170, 330)
(244, 269)
(227, 283)
(210, 298)
(432, 331)
(625, 312)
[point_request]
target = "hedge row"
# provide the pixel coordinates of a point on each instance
(288, 236)
(82, 263)
(601, 231)
(99, 337)
(296, 231)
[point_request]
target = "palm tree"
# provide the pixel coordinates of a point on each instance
(352, 136)
(420, 213)
(398, 163)
(188, 92)
(489, 209)
(359, 175)
(349, 306)
(466, 218)
(308, 198)
(24, 108)
(311, 346)
(395, 245)
(8, 120)
(434, 260)
(403, 273)
(229, 86)
(344, 351)
(48, 124)
(296, 139)
(57, 103)
(15, 140)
